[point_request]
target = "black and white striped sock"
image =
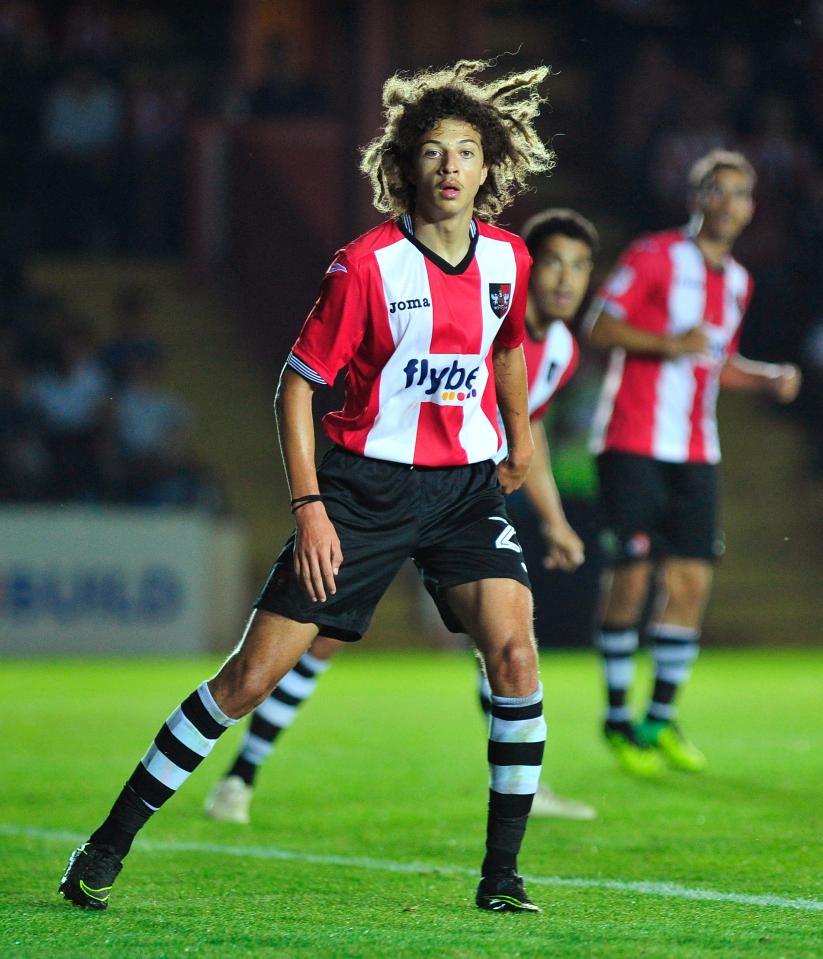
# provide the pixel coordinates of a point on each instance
(674, 649)
(517, 738)
(617, 647)
(275, 714)
(183, 742)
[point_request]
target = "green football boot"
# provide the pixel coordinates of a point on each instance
(667, 738)
(633, 756)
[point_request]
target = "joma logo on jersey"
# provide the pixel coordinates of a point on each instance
(455, 381)
(398, 306)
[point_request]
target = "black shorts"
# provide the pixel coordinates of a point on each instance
(650, 509)
(451, 521)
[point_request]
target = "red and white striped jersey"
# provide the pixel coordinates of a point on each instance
(662, 408)
(415, 335)
(550, 364)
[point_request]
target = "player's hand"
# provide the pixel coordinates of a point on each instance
(317, 553)
(564, 548)
(786, 384)
(512, 471)
(693, 341)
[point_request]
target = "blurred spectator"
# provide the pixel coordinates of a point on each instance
(72, 400)
(698, 124)
(131, 340)
(90, 34)
(22, 67)
(158, 109)
(152, 428)
(644, 101)
(736, 79)
(25, 465)
(286, 89)
(82, 129)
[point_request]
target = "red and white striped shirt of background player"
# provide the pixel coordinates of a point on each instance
(550, 364)
(415, 335)
(666, 409)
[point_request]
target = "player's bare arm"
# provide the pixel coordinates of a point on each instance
(780, 380)
(512, 400)
(564, 548)
(317, 553)
(607, 332)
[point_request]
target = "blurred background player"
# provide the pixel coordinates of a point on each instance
(670, 313)
(563, 245)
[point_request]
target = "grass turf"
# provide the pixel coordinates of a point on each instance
(368, 820)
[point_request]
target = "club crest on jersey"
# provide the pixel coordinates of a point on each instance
(500, 296)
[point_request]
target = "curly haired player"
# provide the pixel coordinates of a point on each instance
(425, 313)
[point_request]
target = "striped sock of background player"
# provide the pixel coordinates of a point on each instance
(183, 742)
(275, 714)
(674, 649)
(517, 738)
(618, 645)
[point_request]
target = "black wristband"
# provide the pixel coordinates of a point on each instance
(305, 500)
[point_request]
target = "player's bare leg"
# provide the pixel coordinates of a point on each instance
(675, 640)
(270, 646)
(498, 615)
(626, 588)
(230, 798)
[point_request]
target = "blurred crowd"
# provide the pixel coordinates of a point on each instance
(93, 420)
(96, 99)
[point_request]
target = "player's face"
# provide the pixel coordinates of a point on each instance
(727, 205)
(449, 170)
(560, 276)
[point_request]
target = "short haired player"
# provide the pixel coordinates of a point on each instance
(670, 314)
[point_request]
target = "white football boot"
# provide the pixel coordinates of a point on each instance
(229, 801)
(549, 804)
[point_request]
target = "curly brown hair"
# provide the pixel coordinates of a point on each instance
(502, 111)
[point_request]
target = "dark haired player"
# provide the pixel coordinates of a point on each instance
(426, 315)
(562, 245)
(670, 314)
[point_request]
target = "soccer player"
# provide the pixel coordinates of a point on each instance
(426, 315)
(670, 313)
(562, 245)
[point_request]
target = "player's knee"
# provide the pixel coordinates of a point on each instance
(626, 594)
(324, 647)
(513, 667)
(688, 589)
(241, 686)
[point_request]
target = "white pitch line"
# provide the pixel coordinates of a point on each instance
(671, 890)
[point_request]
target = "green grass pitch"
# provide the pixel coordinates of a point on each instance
(368, 820)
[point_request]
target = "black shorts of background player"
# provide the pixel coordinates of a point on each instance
(453, 153)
